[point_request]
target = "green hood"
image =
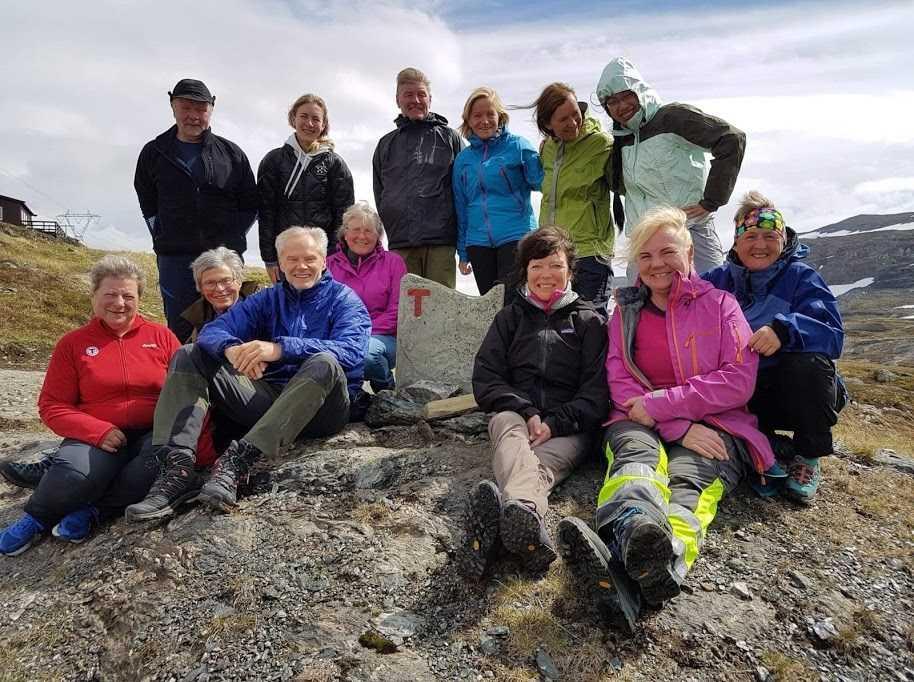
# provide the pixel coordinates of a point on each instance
(621, 75)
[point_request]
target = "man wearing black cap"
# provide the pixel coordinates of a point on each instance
(196, 192)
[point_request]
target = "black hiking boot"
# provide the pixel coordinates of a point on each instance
(480, 540)
(646, 550)
(25, 474)
(177, 484)
(614, 593)
(524, 534)
(221, 490)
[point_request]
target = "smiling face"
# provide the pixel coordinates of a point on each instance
(301, 262)
(565, 122)
(115, 303)
(483, 118)
(759, 248)
(360, 237)
(192, 118)
(547, 275)
(308, 123)
(414, 100)
(220, 288)
(622, 106)
(659, 258)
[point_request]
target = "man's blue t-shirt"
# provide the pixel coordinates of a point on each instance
(189, 153)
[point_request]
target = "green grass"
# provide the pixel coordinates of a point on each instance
(44, 292)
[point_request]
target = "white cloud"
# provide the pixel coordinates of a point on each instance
(824, 91)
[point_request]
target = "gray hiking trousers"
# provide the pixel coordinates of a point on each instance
(314, 403)
(83, 474)
(675, 486)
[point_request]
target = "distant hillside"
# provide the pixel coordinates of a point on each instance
(868, 260)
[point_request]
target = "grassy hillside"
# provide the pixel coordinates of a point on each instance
(44, 292)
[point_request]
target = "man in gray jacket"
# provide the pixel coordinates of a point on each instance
(412, 182)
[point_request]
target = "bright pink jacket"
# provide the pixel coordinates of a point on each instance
(715, 369)
(376, 280)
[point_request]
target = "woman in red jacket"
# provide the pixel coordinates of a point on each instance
(99, 393)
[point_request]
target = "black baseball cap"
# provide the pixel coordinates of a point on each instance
(190, 88)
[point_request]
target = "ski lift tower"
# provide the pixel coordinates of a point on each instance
(77, 224)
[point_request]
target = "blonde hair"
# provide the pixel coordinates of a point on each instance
(660, 218)
(751, 200)
(412, 75)
(119, 267)
(477, 94)
(311, 99)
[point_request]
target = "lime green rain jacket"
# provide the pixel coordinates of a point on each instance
(662, 149)
(576, 188)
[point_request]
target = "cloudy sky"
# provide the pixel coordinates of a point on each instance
(824, 90)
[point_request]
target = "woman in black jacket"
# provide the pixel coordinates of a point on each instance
(304, 182)
(541, 368)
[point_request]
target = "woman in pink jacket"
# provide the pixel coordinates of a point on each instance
(363, 264)
(680, 373)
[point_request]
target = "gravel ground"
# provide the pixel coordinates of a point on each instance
(339, 564)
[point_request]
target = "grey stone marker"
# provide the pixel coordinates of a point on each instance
(439, 331)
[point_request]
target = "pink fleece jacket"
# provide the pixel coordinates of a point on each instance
(714, 367)
(376, 280)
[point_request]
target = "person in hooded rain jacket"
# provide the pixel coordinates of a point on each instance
(798, 331)
(304, 182)
(540, 369)
(492, 180)
(363, 264)
(411, 170)
(577, 162)
(660, 157)
(680, 372)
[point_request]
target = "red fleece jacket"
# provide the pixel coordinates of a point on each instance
(97, 381)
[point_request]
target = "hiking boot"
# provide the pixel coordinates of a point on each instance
(177, 484)
(646, 550)
(221, 490)
(588, 558)
(18, 537)
(480, 540)
(25, 474)
(76, 526)
(769, 483)
(524, 534)
(803, 482)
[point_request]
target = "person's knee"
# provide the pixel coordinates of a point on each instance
(187, 358)
(323, 368)
(503, 421)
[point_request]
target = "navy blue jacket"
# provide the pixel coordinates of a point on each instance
(327, 318)
(790, 297)
(492, 183)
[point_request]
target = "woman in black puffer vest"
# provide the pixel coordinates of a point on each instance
(304, 182)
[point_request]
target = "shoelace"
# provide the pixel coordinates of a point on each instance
(171, 482)
(802, 473)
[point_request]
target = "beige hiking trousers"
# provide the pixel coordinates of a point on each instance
(530, 474)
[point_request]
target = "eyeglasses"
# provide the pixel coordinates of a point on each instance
(224, 283)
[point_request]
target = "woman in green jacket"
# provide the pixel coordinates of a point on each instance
(576, 156)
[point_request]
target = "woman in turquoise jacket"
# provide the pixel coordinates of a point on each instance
(492, 180)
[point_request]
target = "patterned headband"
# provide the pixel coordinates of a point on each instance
(763, 218)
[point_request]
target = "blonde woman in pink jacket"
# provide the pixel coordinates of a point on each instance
(679, 435)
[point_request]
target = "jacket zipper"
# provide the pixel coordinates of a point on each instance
(120, 349)
(504, 174)
(739, 342)
(692, 344)
(672, 318)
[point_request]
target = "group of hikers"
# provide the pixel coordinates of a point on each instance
(706, 355)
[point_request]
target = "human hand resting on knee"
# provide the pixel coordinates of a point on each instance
(765, 341)
(113, 441)
(251, 358)
(637, 413)
(539, 431)
(706, 442)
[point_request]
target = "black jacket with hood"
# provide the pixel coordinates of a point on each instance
(412, 182)
(187, 217)
(301, 189)
(551, 364)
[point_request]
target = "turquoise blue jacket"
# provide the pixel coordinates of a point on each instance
(492, 182)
